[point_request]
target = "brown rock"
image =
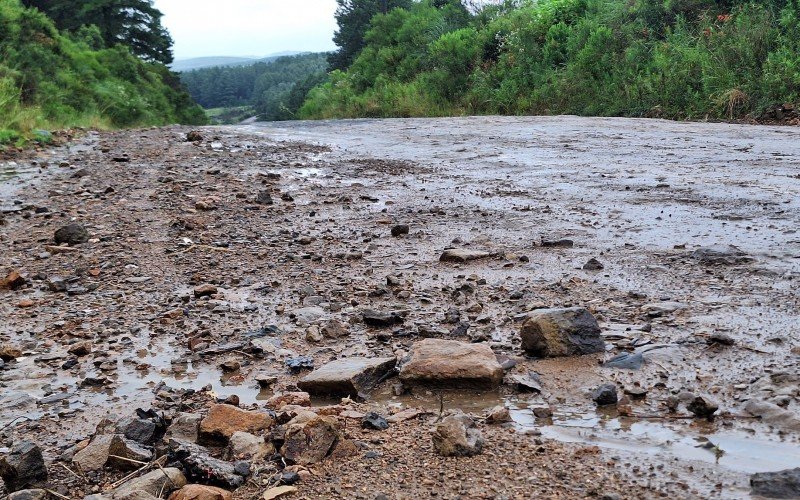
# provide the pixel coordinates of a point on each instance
(204, 290)
(223, 420)
(457, 436)
(201, 492)
(13, 281)
(451, 364)
(9, 353)
(80, 348)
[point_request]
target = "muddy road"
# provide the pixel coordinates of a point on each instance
(230, 267)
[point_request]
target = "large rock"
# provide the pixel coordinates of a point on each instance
(463, 255)
(561, 332)
(783, 484)
(451, 364)
(23, 467)
(347, 376)
(457, 436)
(201, 492)
(310, 442)
(152, 483)
(104, 449)
(223, 420)
(73, 234)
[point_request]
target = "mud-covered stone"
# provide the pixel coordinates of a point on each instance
(451, 364)
(457, 436)
(347, 376)
(185, 427)
(605, 395)
(246, 445)
(561, 332)
(34, 494)
(23, 467)
(223, 420)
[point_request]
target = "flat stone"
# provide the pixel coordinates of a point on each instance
(246, 445)
(380, 319)
(451, 364)
(347, 376)
(204, 290)
(551, 333)
(463, 255)
(223, 420)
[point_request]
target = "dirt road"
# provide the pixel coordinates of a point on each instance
(692, 228)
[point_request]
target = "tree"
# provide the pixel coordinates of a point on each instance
(353, 18)
(134, 23)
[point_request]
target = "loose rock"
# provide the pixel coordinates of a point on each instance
(347, 376)
(561, 332)
(73, 234)
(457, 436)
(223, 420)
(23, 467)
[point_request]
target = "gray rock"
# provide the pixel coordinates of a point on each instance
(782, 484)
(605, 395)
(561, 332)
(306, 315)
(721, 256)
(347, 376)
(463, 255)
(184, 427)
(626, 361)
(28, 495)
(152, 483)
(202, 468)
(102, 450)
(23, 467)
(246, 445)
(380, 319)
(374, 421)
(400, 229)
(451, 364)
(593, 265)
(457, 436)
(73, 234)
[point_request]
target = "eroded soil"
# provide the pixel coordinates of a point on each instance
(646, 198)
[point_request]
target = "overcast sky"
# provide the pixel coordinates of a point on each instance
(248, 27)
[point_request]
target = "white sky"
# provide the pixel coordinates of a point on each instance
(248, 27)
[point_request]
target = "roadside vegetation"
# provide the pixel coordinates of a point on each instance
(680, 59)
(74, 77)
(272, 90)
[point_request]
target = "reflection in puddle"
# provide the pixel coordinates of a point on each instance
(737, 451)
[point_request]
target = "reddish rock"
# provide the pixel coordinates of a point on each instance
(451, 364)
(223, 420)
(201, 492)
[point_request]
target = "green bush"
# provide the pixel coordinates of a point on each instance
(49, 80)
(695, 59)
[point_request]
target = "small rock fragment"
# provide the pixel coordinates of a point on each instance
(605, 395)
(73, 234)
(24, 467)
(457, 436)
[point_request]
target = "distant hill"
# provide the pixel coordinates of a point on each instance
(182, 65)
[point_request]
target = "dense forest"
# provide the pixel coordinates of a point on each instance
(274, 90)
(97, 63)
(695, 59)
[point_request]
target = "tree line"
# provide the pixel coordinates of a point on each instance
(683, 59)
(274, 89)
